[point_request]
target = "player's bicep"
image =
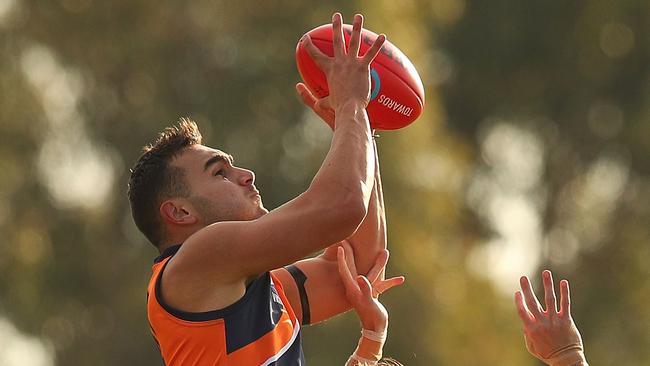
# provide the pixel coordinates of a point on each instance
(322, 290)
(290, 287)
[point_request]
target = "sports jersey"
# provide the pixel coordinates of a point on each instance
(261, 328)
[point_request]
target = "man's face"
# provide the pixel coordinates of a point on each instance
(219, 190)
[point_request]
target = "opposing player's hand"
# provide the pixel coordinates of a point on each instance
(551, 335)
(348, 75)
(362, 291)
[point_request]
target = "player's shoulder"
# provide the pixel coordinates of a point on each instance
(207, 250)
(189, 286)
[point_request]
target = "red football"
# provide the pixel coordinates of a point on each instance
(397, 95)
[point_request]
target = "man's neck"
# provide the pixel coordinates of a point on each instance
(178, 237)
(164, 247)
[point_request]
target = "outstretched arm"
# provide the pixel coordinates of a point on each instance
(551, 335)
(370, 237)
(322, 288)
(217, 259)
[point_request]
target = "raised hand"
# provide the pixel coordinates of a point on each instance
(348, 75)
(362, 291)
(551, 335)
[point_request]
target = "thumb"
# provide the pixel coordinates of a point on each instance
(530, 346)
(306, 95)
(323, 104)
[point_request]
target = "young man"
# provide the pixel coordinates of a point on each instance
(216, 295)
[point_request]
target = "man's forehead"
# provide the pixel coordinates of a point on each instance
(199, 154)
(209, 151)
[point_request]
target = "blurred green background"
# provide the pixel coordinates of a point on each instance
(533, 152)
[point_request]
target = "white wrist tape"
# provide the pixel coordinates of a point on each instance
(374, 336)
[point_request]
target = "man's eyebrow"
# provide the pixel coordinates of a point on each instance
(217, 159)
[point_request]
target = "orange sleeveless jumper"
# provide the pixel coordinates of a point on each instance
(258, 329)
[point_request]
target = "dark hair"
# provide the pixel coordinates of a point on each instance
(153, 180)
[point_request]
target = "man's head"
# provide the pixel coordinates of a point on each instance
(179, 186)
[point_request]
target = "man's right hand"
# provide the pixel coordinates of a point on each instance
(348, 75)
(551, 335)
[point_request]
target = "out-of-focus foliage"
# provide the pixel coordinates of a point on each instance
(533, 152)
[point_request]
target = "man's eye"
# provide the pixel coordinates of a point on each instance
(219, 172)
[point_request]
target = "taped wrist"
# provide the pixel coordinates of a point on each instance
(370, 346)
(379, 337)
(300, 278)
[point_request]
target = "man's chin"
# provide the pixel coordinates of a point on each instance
(260, 208)
(261, 212)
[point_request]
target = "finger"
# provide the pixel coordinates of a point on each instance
(364, 287)
(305, 94)
(529, 297)
(349, 258)
(565, 299)
(344, 272)
(525, 316)
(325, 110)
(374, 49)
(326, 115)
(337, 35)
(321, 106)
(355, 39)
(380, 264)
(385, 285)
(315, 53)
(549, 293)
(324, 104)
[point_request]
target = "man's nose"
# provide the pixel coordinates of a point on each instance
(247, 177)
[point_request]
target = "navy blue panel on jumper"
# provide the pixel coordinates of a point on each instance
(257, 315)
(252, 289)
(167, 253)
(293, 356)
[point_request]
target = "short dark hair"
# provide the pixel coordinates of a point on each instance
(153, 179)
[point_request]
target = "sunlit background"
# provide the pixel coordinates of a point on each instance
(533, 152)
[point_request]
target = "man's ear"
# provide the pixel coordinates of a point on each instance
(178, 212)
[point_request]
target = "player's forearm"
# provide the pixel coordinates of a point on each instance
(348, 169)
(370, 238)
